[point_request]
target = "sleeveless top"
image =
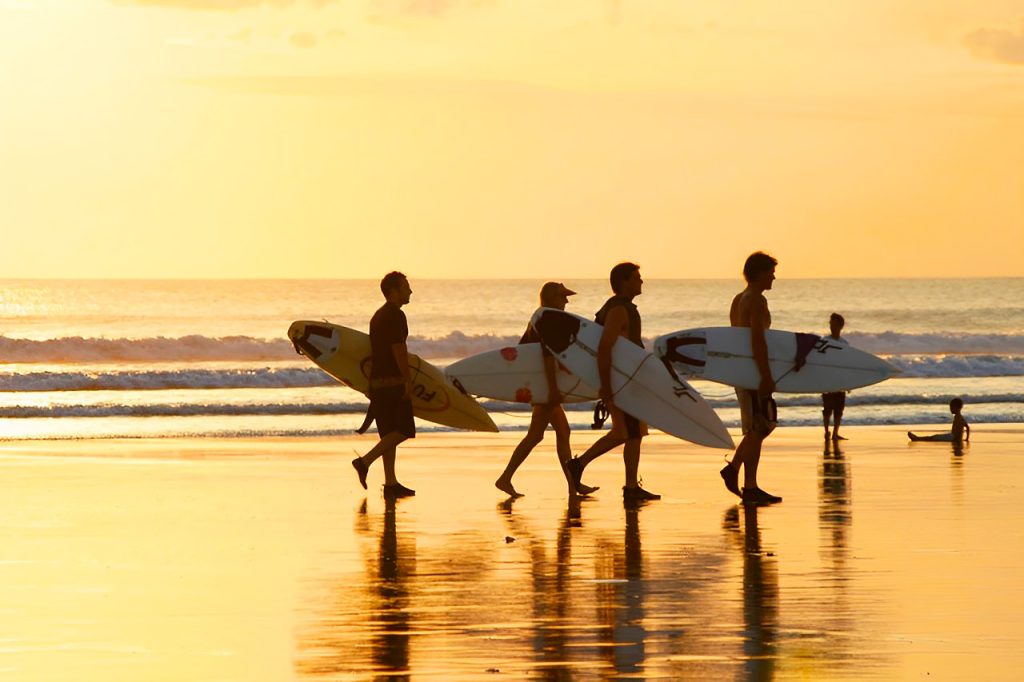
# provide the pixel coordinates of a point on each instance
(631, 312)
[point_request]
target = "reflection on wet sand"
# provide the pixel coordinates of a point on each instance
(760, 594)
(546, 591)
(550, 597)
(385, 638)
(834, 515)
(620, 597)
(391, 616)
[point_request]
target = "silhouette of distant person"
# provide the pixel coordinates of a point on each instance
(959, 433)
(620, 318)
(390, 383)
(833, 404)
(552, 295)
(750, 309)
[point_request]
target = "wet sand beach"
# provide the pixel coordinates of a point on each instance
(235, 559)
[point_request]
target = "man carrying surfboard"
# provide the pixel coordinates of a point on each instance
(390, 383)
(619, 317)
(750, 309)
(834, 403)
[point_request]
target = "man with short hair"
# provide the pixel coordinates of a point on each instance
(750, 309)
(619, 317)
(390, 383)
(834, 403)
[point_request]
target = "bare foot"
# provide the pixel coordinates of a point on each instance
(506, 487)
(584, 489)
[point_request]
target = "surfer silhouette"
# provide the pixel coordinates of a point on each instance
(390, 384)
(750, 309)
(833, 404)
(960, 432)
(619, 317)
(552, 295)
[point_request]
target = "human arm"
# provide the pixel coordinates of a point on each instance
(551, 374)
(759, 346)
(614, 324)
(401, 353)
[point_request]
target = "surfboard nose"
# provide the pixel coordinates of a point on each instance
(891, 368)
(557, 329)
(311, 338)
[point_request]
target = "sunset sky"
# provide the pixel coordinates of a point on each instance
(510, 138)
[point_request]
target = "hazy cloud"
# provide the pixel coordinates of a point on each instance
(423, 9)
(997, 44)
(226, 5)
(302, 40)
(426, 8)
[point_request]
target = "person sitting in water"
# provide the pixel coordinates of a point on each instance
(960, 433)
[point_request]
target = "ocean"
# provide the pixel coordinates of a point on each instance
(190, 358)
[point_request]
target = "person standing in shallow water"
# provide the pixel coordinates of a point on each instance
(833, 404)
(390, 384)
(619, 317)
(750, 309)
(552, 295)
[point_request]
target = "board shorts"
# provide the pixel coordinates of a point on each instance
(753, 417)
(391, 411)
(834, 402)
(633, 426)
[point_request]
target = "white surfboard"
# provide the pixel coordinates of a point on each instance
(723, 354)
(641, 384)
(516, 374)
(345, 354)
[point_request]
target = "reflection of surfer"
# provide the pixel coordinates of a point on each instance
(760, 596)
(390, 383)
(750, 309)
(834, 403)
(959, 433)
(552, 295)
(619, 317)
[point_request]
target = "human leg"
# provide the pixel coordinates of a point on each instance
(534, 435)
(840, 407)
(395, 424)
(731, 471)
(563, 449)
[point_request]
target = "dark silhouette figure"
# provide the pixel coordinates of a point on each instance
(750, 309)
(552, 295)
(390, 384)
(620, 318)
(834, 403)
(959, 433)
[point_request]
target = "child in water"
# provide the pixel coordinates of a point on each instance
(960, 433)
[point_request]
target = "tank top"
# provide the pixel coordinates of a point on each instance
(631, 312)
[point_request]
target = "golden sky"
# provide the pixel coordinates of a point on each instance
(510, 138)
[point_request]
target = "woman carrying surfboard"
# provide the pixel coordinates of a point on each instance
(750, 309)
(552, 295)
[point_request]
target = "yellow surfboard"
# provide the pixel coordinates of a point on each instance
(345, 354)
